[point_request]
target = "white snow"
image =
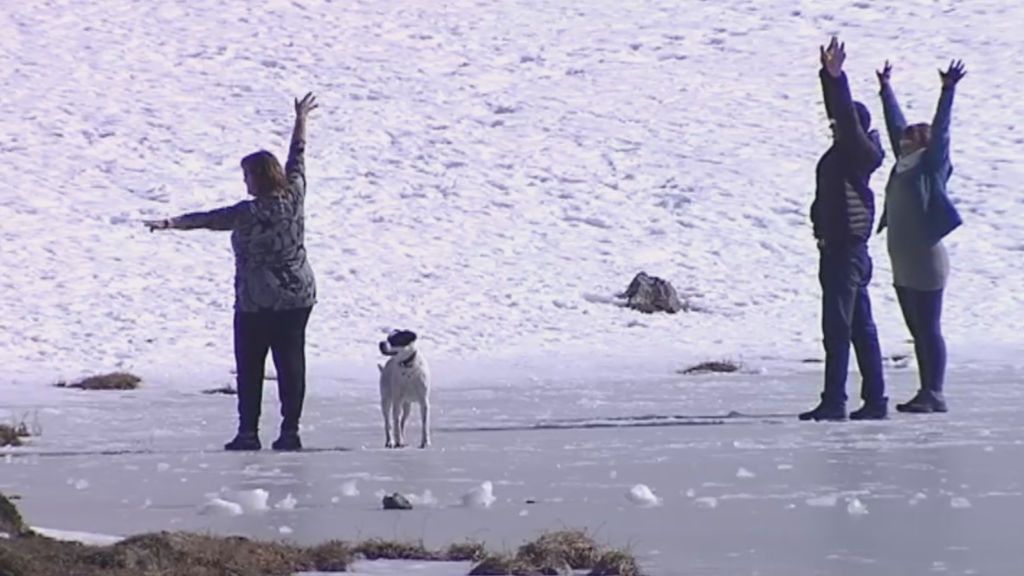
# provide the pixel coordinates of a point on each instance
(960, 503)
(252, 500)
(427, 499)
(481, 496)
(642, 495)
(491, 175)
(221, 507)
(633, 136)
(87, 538)
(286, 503)
(826, 501)
(349, 488)
(706, 502)
(855, 507)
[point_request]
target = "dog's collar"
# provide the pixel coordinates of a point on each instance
(408, 361)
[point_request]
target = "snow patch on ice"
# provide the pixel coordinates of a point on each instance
(221, 507)
(855, 507)
(481, 496)
(350, 488)
(960, 503)
(823, 501)
(286, 503)
(641, 495)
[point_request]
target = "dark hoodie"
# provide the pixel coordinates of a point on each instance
(843, 211)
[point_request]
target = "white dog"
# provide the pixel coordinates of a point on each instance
(403, 380)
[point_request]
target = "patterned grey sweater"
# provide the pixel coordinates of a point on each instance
(268, 239)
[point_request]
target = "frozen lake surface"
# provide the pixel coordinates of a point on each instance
(752, 493)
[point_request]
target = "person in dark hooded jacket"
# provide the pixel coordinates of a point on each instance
(843, 215)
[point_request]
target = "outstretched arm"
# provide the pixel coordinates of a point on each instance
(938, 145)
(852, 136)
(895, 123)
(295, 167)
(220, 219)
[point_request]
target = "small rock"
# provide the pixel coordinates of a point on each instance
(396, 502)
(650, 294)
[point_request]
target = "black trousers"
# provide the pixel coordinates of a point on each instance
(283, 333)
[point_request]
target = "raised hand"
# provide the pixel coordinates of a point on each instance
(885, 74)
(953, 74)
(305, 106)
(833, 56)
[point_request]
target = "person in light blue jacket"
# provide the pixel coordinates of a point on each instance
(919, 214)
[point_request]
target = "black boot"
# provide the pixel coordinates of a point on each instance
(872, 410)
(288, 441)
(244, 441)
(924, 402)
(830, 411)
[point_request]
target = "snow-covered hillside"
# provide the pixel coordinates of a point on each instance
(486, 173)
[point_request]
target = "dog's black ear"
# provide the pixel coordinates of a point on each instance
(402, 338)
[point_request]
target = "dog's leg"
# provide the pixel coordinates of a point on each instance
(396, 416)
(385, 410)
(406, 408)
(425, 422)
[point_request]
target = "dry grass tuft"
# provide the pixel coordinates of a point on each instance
(111, 381)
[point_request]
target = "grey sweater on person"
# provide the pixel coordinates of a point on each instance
(272, 271)
(918, 262)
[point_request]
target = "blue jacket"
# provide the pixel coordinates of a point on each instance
(942, 216)
(856, 152)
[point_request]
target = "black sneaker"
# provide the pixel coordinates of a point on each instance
(288, 441)
(924, 402)
(244, 441)
(823, 411)
(871, 411)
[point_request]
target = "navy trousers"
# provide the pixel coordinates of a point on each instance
(283, 334)
(922, 311)
(845, 273)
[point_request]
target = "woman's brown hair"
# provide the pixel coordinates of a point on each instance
(266, 177)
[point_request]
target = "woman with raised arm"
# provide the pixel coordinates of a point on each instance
(919, 215)
(274, 286)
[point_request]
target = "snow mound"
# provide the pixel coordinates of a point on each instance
(221, 507)
(480, 497)
(643, 496)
